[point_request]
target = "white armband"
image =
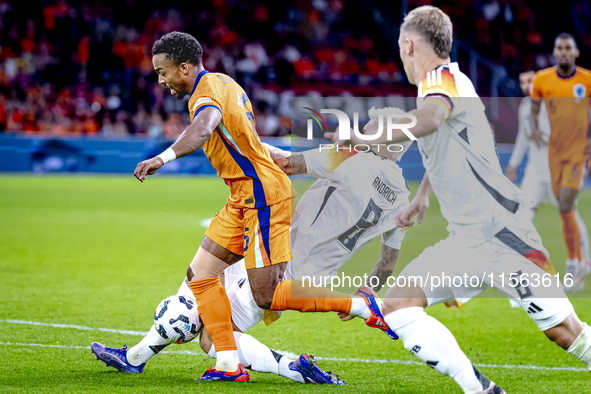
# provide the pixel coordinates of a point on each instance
(167, 155)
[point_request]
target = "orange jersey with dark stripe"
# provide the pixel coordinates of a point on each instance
(234, 148)
(567, 101)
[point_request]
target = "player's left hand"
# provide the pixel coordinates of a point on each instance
(284, 164)
(345, 316)
(336, 137)
(147, 167)
(418, 206)
(282, 159)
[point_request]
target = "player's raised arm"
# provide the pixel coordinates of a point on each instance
(188, 142)
(429, 118)
(315, 162)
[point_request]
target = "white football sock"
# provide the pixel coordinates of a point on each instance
(429, 340)
(149, 346)
(227, 360)
(359, 307)
(581, 347)
(584, 236)
(260, 358)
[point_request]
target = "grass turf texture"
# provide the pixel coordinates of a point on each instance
(104, 251)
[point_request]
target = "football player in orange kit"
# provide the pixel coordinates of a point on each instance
(256, 219)
(566, 89)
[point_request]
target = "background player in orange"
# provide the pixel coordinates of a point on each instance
(566, 89)
(256, 219)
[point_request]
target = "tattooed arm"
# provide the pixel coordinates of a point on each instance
(382, 271)
(383, 268)
(291, 164)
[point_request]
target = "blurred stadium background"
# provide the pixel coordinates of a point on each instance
(78, 92)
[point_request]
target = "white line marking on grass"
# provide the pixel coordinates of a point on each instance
(43, 345)
(409, 362)
(285, 353)
(76, 327)
(88, 348)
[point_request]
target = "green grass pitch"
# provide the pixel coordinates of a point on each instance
(103, 251)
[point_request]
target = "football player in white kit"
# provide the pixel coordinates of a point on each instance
(489, 236)
(358, 200)
(536, 181)
(370, 189)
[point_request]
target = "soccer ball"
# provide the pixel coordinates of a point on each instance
(176, 319)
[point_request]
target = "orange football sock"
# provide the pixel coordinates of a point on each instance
(215, 311)
(572, 236)
(298, 295)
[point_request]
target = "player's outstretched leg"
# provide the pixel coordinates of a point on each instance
(270, 291)
(576, 239)
(430, 341)
(214, 307)
(260, 358)
(131, 360)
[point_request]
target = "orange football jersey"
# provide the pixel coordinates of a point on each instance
(234, 148)
(567, 101)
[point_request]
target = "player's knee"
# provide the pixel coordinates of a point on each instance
(565, 206)
(264, 281)
(394, 304)
(565, 333)
(560, 337)
(263, 299)
(403, 297)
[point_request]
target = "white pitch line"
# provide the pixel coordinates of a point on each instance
(285, 353)
(88, 348)
(76, 327)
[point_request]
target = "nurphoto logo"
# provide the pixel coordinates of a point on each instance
(392, 120)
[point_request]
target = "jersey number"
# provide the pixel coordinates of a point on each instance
(370, 218)
(520, 286)
(242, 100)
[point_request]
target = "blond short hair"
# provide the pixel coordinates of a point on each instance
(433, 25)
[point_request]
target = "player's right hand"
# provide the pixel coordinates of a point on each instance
(147, 167)
(511, 173)
(345, 316)
(537, 136)
(418, 206)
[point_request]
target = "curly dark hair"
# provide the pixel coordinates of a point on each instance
(179, 48)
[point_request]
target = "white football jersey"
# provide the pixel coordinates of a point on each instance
(537, 166)
(462, 161)
(344, 210)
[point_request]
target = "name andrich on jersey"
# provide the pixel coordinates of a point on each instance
(384, 190)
